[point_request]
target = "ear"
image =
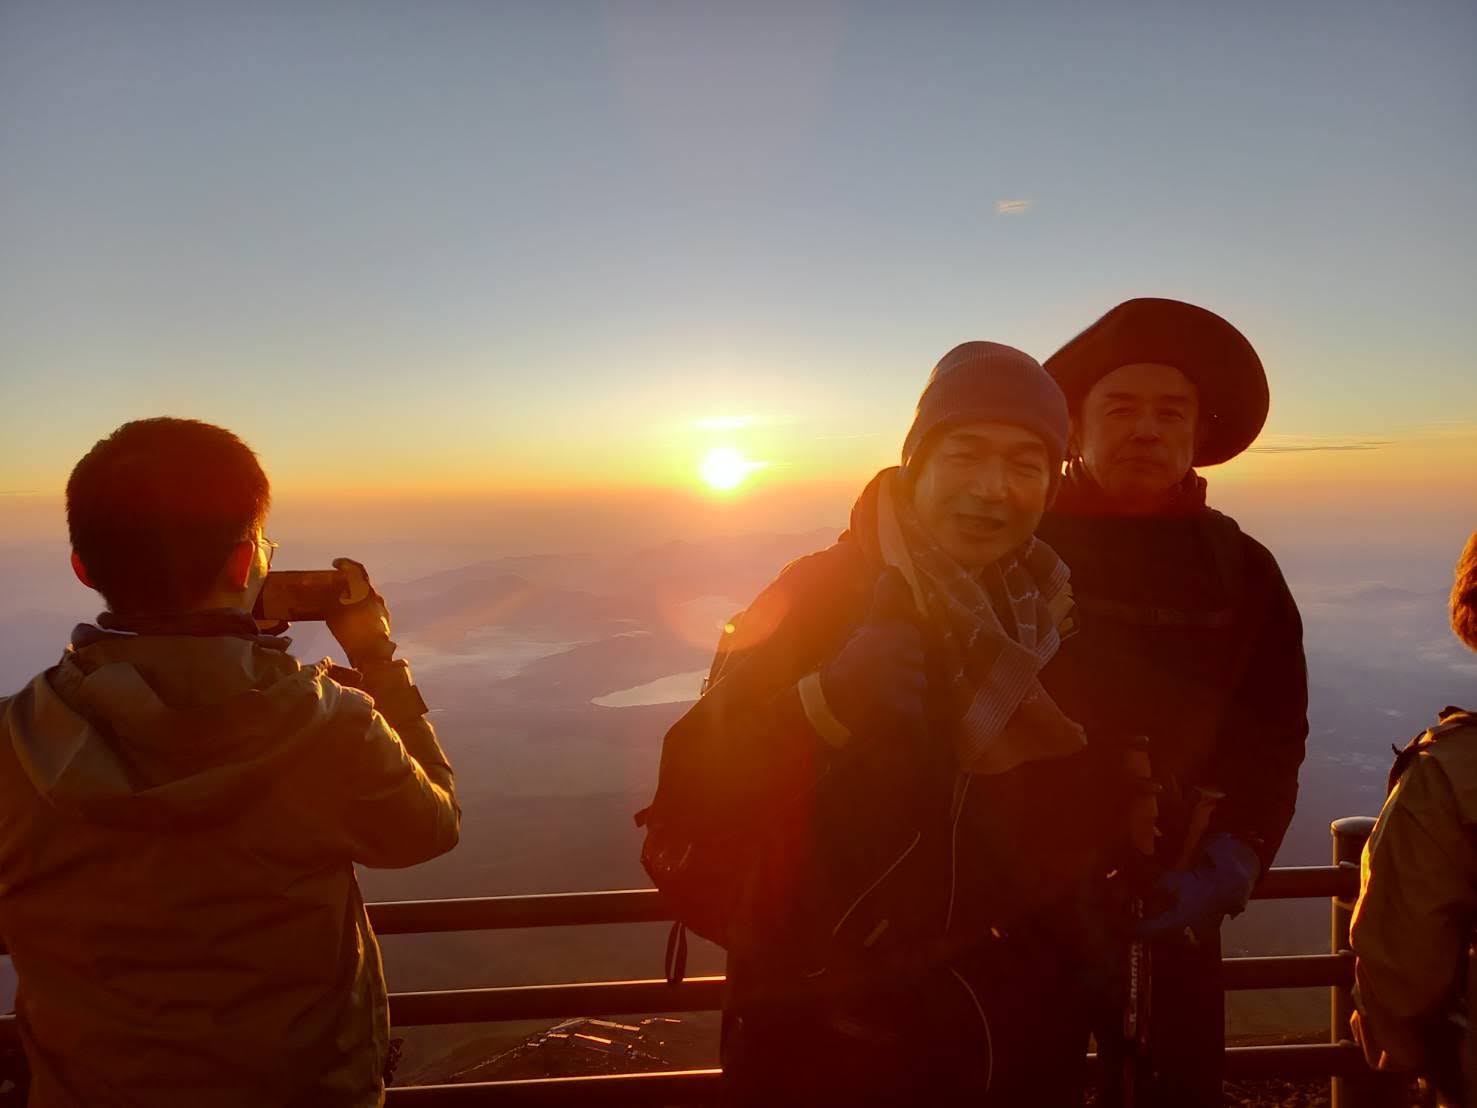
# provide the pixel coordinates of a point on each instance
(237, 571)
(1204, 424)
(1074, 439)
(81, 571)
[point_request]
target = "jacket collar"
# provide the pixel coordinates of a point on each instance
(1080, 495)
(232, 622)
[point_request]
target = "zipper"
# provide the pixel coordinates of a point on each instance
(917, 835)
(963, 791)
(984, 1023)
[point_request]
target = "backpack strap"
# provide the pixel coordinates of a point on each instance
(1449, 721)
(676, 960)
(722, 657)
(806, 594)
(723, 653)
(1228, 550)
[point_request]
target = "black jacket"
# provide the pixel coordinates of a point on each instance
(1187, 634)
(884, 877)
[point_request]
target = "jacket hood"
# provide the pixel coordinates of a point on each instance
(170, 730)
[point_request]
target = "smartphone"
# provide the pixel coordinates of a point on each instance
(296, 595)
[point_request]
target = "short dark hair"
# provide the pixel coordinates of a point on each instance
(154, 509)
(1464, 595)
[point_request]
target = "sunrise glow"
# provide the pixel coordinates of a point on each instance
(724, 468)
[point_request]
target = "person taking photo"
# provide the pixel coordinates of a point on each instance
(182, 804)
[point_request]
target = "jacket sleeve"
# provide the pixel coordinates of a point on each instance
(400, 803)
(1414, 918)
(1264, 734)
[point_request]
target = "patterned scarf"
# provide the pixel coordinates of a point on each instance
(1004, 716)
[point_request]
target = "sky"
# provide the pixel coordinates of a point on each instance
(439, 250)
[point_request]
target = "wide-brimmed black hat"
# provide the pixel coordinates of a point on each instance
(1200, 344)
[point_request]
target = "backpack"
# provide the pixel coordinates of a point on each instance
(1449, 719)
(700, 875)
(706, 852)
(1449, 1039)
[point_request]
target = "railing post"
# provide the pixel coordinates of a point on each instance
(1372, 1090)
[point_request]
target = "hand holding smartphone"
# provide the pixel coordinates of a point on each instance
(295, 595)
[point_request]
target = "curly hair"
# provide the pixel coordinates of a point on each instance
(1464, 595)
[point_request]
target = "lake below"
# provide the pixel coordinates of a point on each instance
(674, 689)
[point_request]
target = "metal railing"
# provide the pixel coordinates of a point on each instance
(1354, 1086)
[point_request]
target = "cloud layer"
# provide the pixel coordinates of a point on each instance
(1295, 446)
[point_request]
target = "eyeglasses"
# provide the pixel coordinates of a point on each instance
(269, 546)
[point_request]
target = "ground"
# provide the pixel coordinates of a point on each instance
(1277, 1094)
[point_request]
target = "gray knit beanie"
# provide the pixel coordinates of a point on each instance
(978, 381)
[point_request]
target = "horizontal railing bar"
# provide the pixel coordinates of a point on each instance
(1307, 882)
(705, 994)
(649, 906)
(529, 1002)
(624, 1090)
(1288, 971)
(496, 913)
(1300, 1061)
(649, 1090)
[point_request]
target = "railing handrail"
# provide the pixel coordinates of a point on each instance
(609, 906)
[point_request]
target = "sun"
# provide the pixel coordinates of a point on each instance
(724, 468)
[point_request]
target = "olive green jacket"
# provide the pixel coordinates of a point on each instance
(179, 820)
(1417, 912)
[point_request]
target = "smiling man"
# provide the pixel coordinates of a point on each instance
(866, 806)
(1188, 636)
(979, 496)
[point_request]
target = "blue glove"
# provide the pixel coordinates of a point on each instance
(1219, 885)
(875, 685)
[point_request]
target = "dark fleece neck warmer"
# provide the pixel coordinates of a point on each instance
(1080, 495)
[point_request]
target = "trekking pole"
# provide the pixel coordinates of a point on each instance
(1138, 1005)
(1138, 996)
(1136, 1010)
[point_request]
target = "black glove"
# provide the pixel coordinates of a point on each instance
(362, 628)
(875, 686)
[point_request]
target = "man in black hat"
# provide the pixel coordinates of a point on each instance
(878, 775)
(1188, 635)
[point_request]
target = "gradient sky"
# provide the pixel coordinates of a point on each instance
(451, 246)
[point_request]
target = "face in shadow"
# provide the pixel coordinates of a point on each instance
(1136, 432)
